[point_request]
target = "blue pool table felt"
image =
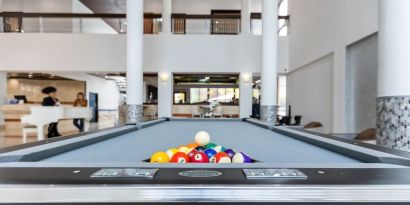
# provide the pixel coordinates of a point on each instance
(261, 144)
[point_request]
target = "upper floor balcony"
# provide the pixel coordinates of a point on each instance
(95, 42)
(223, 23)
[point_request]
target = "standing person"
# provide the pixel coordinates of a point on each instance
(51, 100)
(80, 102)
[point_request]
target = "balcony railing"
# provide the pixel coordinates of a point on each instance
(116, 23)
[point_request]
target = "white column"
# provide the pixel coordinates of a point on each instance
(393, 74)
(166, 16)
(165, 94)
(245, 95)
(269, 60)
(3, 94)
(246, 17)
(135, 23)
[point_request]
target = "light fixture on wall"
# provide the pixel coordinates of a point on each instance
(246, 78)
(164, 77)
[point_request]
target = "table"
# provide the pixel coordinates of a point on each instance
(107, 166)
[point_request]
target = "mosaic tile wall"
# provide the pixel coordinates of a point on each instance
(268, 114)
(393, 122)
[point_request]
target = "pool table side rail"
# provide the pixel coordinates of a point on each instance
(350, 148)
(47, 148)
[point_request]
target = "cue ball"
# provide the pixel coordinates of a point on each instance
(199, 157)
(202, 138)
(241, 158)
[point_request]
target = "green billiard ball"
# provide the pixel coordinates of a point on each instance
(210, 146)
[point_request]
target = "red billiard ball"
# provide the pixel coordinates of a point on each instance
(192, 153)
(199, 157)
(221, 157)
(180, 157)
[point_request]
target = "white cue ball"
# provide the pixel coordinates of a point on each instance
(202, 138)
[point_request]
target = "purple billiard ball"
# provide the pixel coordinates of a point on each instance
(210, 153)
(241, 158)
(230, 152)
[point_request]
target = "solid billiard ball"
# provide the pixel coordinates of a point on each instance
(219, 148)
(200, 149)
(202, 138)
(192, 145)
(241, 158)
(192, 153)
(180, 157)
(183, 149)
(230, 152)
(210, 153)
(210, 145)
(199, 157)
(171, 152)
(221, 157)
(159, 157)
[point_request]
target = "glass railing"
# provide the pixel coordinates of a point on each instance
(117, 24)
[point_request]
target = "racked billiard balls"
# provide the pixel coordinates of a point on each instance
(241, 158)
(180, 157)
(210, 153)
(219, 148)
(200, 149)
(183, 149)
(230, 152)
(210, 145)
(199, 157)
(192, 153)
(159, 157)
(221, 157)
(171, 152)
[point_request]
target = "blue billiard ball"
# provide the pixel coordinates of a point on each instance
(210, 153)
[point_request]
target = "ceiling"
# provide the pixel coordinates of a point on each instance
(35, 76)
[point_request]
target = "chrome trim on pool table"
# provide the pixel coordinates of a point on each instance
(203, 193)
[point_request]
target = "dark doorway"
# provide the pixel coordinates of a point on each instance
(94, 104)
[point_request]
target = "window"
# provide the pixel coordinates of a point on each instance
(179, 98)
(223, 95)
(198, 95)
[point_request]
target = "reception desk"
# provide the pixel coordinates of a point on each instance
(14, 126)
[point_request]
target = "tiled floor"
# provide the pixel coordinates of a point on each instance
(105, 121)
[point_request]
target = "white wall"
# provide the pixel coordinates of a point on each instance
(200, 6)
(322, 27)
(108, 91)
(310, 90)
(99, 53)
(50, 6)
(3, 93)
(89, 25)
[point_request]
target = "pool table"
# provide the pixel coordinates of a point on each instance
(293, 167)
